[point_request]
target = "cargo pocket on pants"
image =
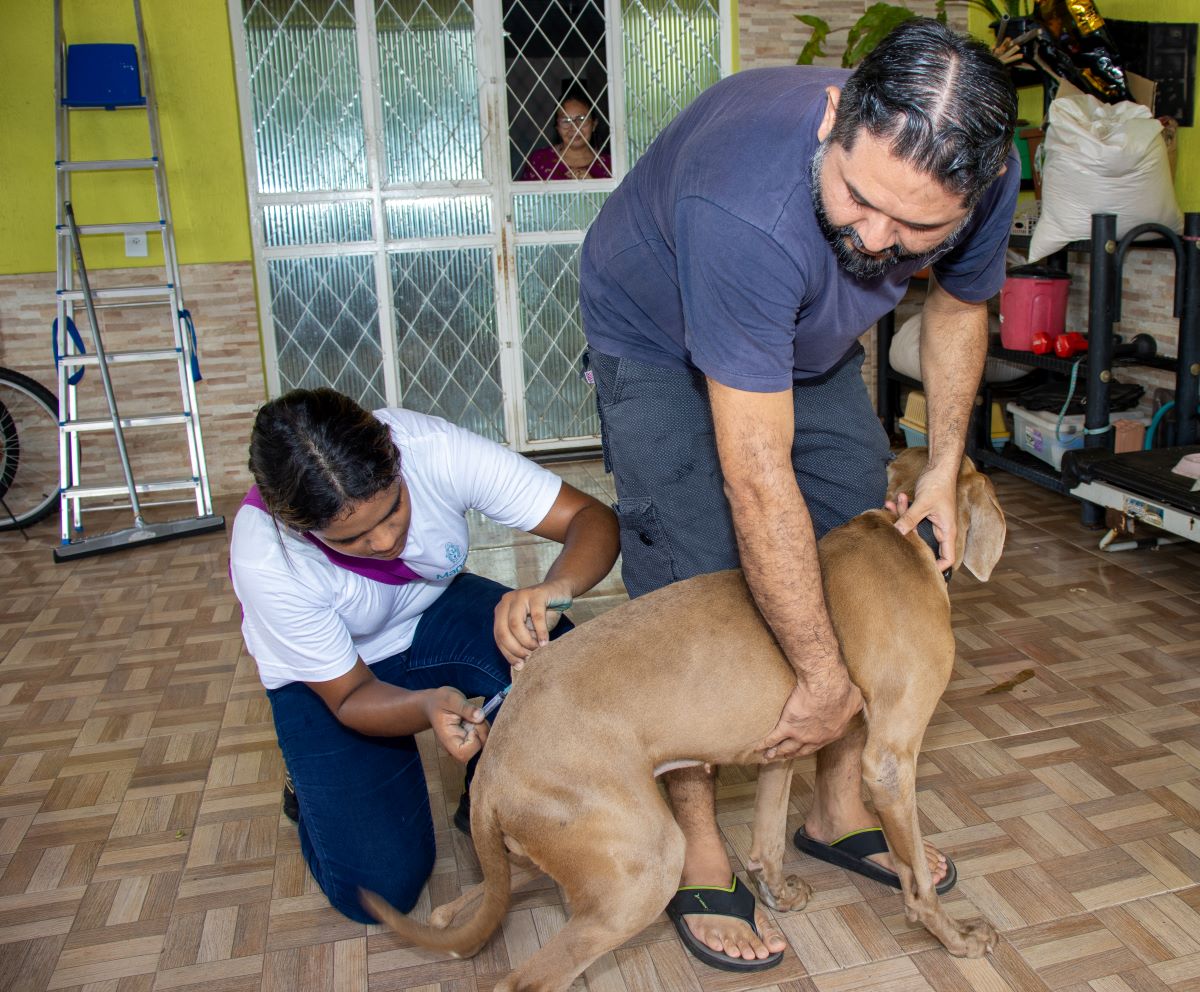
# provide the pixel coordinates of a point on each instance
(646, 562)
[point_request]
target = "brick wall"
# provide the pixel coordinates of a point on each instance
(769, 33)
(221, 299)
(1147, 300)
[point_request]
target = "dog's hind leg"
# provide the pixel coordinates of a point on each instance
(890, 772)
(770, 839)
(523, 872)
(618, 872)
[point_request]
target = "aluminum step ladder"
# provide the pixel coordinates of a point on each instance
(108, 79)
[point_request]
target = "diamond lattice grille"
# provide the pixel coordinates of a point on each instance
(304, 85)
(552, 47)
(429, 90)
(327, 326)
(672, 53)
(447, 350)
(558, 404)
(444, 247)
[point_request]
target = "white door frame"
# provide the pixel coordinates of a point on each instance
(497, 185)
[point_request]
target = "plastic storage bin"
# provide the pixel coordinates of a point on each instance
(1037, 432)
(1034, 431)
(103, 76)
(916, 431)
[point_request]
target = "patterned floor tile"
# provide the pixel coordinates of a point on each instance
(142, 845)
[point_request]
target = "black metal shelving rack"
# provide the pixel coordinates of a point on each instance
(1107, 256)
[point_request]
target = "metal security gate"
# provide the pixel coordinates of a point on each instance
(401, 256)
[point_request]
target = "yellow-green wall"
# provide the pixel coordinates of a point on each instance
(1187, 165)
(192, 65)
(193, 74)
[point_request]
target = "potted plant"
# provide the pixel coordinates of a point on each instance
(880, 18)
(863, 35)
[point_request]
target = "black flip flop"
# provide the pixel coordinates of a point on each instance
(853, 852)
(714, 900)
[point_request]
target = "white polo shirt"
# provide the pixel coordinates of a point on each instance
(306, 619)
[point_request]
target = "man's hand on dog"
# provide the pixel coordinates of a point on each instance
(817, 711)
(935, 499)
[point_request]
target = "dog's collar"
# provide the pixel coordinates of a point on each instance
(925, 533)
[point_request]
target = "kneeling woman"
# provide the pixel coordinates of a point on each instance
(347, 557)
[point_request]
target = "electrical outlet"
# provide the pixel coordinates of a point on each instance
(135, 245)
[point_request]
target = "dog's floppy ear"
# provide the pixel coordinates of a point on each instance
(985, 523)
(904, 470)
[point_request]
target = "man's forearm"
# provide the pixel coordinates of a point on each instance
(779, 558)
(953, 350)
(778, 552)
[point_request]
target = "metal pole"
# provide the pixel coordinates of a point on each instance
(1100, 343)
(102, 365)
(1187, 375)
(886, 392)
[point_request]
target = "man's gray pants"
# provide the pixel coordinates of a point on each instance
(657, 431)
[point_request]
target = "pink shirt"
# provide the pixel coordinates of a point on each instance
(545, 164)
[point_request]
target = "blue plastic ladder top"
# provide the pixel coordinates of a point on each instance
(103, 76)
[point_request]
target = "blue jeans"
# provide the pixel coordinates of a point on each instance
(364, 806)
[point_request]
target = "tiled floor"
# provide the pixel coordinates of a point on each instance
(142, 847)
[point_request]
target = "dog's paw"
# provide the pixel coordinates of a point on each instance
(441, 917)
(974, 941)
(791, 895)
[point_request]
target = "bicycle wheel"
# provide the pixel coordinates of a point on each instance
(28, 450)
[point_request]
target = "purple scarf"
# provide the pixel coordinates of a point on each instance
(392, 573)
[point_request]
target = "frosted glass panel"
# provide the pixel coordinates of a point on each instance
(672, 53)
(556, 211)
(325, 315)
(559, 404)
(447, 349)
(304, 86)
(429, 89)
(439, 217)
(316, 223)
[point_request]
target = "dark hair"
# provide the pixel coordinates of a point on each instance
(943, 103)
(315, 453)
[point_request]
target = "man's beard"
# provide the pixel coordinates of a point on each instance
(852, 254)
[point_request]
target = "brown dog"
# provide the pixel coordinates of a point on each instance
(691, 674)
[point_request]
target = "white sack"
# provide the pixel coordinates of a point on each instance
(904, 355)
(1101, 158)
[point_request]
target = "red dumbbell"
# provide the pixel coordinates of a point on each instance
(1070, 344)
(1041, 343)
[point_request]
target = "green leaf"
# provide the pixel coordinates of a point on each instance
(812, 49)
(940, 7)
(871, 29)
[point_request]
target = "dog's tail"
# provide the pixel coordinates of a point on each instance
(466, 939)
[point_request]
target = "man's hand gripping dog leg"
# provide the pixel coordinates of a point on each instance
(817, 711)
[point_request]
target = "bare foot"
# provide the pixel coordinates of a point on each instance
(709, 865)
(730, 936)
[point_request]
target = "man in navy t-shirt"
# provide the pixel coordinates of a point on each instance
(724, 286)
